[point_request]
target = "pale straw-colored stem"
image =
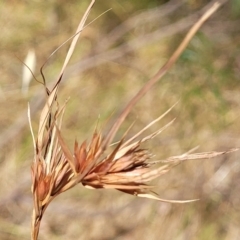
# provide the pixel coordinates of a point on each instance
(35, 225)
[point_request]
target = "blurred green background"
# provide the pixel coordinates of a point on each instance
(115, 56)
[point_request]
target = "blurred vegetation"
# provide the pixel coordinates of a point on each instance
(205, 81)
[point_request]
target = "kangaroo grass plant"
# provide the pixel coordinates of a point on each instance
(124, 166)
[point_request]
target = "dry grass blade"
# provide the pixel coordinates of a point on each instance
(148, 126)
(162, 71)
(75, 39)
(151, 196)
(126, 147)
(197, 156)
(51, 170)
(47, 108)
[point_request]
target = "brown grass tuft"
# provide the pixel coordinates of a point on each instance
(127, 168)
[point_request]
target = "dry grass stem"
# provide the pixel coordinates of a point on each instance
(126, 167)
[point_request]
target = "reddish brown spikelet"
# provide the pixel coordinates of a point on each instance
(43, 187)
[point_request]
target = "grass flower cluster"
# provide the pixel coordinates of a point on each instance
(99, 163)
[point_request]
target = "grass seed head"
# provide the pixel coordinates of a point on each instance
(128, 167)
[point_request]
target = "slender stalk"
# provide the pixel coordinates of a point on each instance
(35, 225)
(162, 71)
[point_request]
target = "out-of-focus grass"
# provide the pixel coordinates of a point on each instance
(205, 80)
